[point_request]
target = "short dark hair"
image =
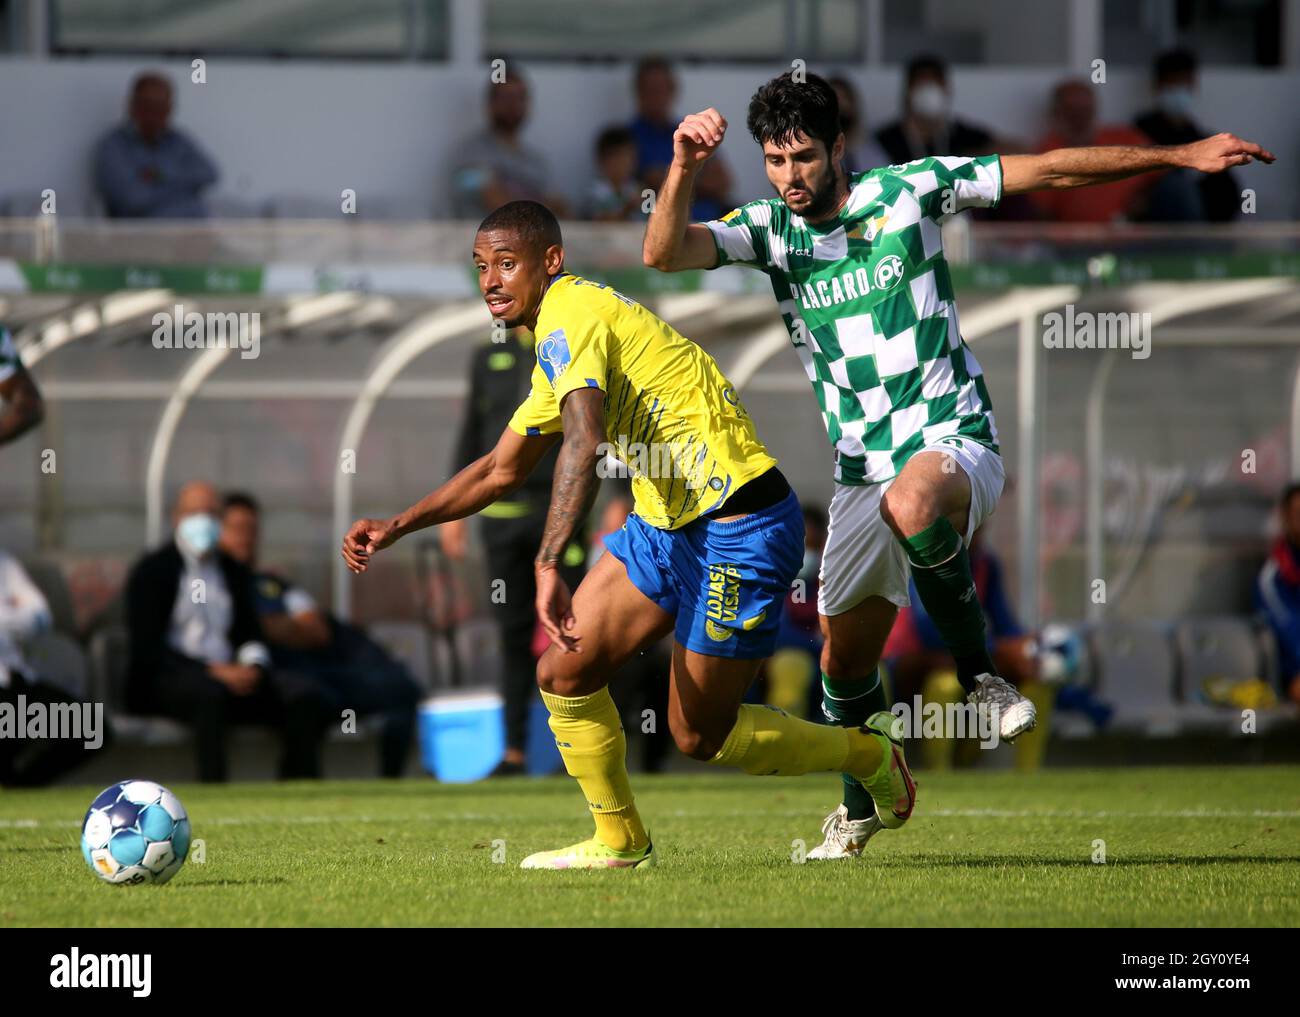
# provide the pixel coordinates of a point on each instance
(1290, 491)
(150, 78)
(814, 515)
(511, 71)
(240, 499)
(784, 108)
(926, 63)
(1172, 63)
(649, 64)
(611, 138)
(533, 222)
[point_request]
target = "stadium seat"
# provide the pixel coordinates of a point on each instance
(48, 577)
(1135, 673)
(1215, 647)
(409, 643)
(478, 646)
(58, 659)
(108, 657)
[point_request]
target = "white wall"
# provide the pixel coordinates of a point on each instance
(310, 130)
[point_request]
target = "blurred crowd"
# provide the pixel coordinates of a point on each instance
(146, 167)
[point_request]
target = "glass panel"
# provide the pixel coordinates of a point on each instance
(702, 29)
(1240, 32)
(964, 33)
(393, 29)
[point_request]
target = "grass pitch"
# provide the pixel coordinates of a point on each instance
(1182, 847)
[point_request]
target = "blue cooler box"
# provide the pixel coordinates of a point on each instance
(462, 734)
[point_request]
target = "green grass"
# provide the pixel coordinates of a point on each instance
(1184, 847)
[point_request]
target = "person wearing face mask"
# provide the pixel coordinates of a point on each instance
(928, 126)
(196, 650)
(1180, 197)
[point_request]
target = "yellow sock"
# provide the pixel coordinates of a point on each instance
(768, 742)
(591, 741)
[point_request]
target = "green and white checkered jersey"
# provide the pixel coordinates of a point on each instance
(868, 301)
(9, 362)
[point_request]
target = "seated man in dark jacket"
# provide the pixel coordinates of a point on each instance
(355, 669)
(196, 647)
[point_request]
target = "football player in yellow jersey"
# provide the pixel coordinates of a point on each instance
(714, 543)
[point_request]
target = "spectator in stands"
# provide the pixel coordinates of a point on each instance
(21, 405)
(1074, 124)
(1181, 195)
(196, 648)
(1277, 592)
(24, 613)
(511, 529)
(495, 166)
(306, 640)
(861, 150)
(928, 126)
(615, 194)
(653, 126)
(147, 169)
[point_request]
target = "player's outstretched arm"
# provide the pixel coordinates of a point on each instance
(477, 486)
(572, 494)
(672, 242)
(1079, 167)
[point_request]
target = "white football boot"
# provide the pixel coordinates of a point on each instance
(845, 837)
(1015, 713)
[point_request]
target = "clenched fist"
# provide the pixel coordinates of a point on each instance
(697, 137)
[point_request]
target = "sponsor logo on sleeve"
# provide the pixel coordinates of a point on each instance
(553, 355)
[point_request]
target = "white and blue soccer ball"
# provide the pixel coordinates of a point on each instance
(135, 832)
(1060, 654)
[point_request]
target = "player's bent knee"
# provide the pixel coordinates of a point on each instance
(567, 674)
(698, 741)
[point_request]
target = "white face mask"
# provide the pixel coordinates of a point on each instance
(1177, 101)
(198, 533)
(930, 101)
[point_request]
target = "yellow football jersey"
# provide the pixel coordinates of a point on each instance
(670, 415)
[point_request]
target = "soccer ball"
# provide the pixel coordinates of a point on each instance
(1060, 654)
(135, 832)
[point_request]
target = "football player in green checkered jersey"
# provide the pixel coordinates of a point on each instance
(857, 267)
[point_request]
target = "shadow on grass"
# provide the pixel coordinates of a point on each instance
(1112, 861)
(38, 849)
(191, 883)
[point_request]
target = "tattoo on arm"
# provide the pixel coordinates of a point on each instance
(574, 488)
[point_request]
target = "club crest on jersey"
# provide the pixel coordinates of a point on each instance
(869, 229)
(553, 355)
